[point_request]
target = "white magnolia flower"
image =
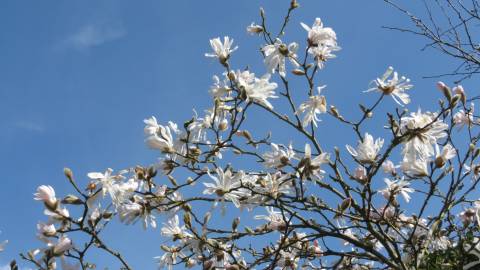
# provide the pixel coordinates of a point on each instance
(58, 215)
(360, 174)
(121, 192)
(172, 229)
(226, 185)
(110, 184)
(158, 136)
(389, 167)
(464, 118)
(440, 243)
(278, 157)
(169, 259)
(46, 230)
(63, 244)
(474, 169)
(257, 90)
(382, 212)
(198, 128)
(274, 185)
(319, 35)
(393, 86)
(219, 88)
(414, 166)
(316, 104)
(322, 42)
(448, 152)
(321, 54)
(130, 212)
(254, 28)
(367, 150)
(221, 50)
(47, 195)
(276, 53)
(471, 214)
(287, 260)
(426, 128)
(274, 218)
(310, 166)
(397, 187)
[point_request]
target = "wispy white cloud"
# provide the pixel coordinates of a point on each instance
(29, 126)
(95, 34)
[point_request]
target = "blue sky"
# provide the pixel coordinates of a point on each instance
(78, 77)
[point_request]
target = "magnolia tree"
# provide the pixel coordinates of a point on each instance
(301, 207)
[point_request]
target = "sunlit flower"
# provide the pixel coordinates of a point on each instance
(158, 136)
(274, 185)
(198, 128)
(46, 230)
(275, 219)
(322, 54)
(360, 174)
(319, 35)
(47, 195)
(464, 118)
(278, 157)
(287, 260)
(389, 167)
(172, 229)
(169, 258)
(59, 214)
(414, 166)
(425, 129)
(219, 88)
(225, 185)
(275, 55)
(397, 187)
(316, 104)
(221, 50)
(367, 150)
(322, 42)
(111, 184)
(257, 90)
(393, 86)
(448, 152)
(254, 28)
(63, 244)
(382, 212)
(130, 212)
(310, 166)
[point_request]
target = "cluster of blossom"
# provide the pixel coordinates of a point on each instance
(309, 205)
(57, 243)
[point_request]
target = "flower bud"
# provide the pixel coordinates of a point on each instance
(298, 72)
(223, 125)
(68, 173)
(439, 162)
(235, 223)
(458, 90)
(294, 4)
(187, 220)
(72, 199)
(172, 180)
(445, 90)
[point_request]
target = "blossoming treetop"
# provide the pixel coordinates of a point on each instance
(348, 209)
